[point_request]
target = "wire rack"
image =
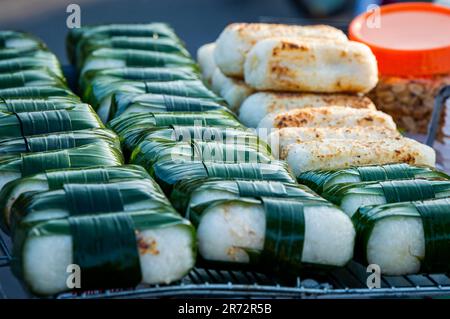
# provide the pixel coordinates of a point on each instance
(5, 256)
(348, 282)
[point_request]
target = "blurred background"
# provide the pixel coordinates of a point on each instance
(196, 21)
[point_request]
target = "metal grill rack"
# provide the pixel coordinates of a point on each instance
(348, 282)
(4, 253)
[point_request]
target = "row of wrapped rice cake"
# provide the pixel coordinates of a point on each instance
(236, 220)
(400, 213)
(400, 216)
(63, 187)
(139, 68)
(182, 146)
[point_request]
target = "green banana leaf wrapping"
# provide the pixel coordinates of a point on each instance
(392, 191)
(166, 45)
(188, 134)
(151, 30)
(114, 253)
(151, 74)
(123, 103)
(285, 233)
(57, 141)
(167, 173)
(435, 216)
(148, 152)
(320, 180)
(88, 199)
(56, 179)
(6, 54)
(118, 58)
(34, 105)
(183, 190)
(132, 127)
(30, 78)
(100, 92)
(98, 154)
(13, 125)
(39, 60)
(14, 44)
(37, 92)
(19, 40)
(177, 133)
(107, 247)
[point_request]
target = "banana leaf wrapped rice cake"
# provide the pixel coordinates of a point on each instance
(148, 152)
(150, 74)
(166, 45)
(30, 78)
(193, 192)
(14, 40)
(79, 117)
(18, 105)
(168, 173)
(76, 37)
(321, 180)
(56, 179)
(272, 233)
(97, 154)
(351, 196)
(113, 250)
(132, 127)
(123, 103)
(106, 58)
(85, 199)
(37, 92)
(100, 92)
(405, 238)
(177, 133)
(57, 141)
(39, 60)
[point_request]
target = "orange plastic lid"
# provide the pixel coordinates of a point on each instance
(407, 38)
